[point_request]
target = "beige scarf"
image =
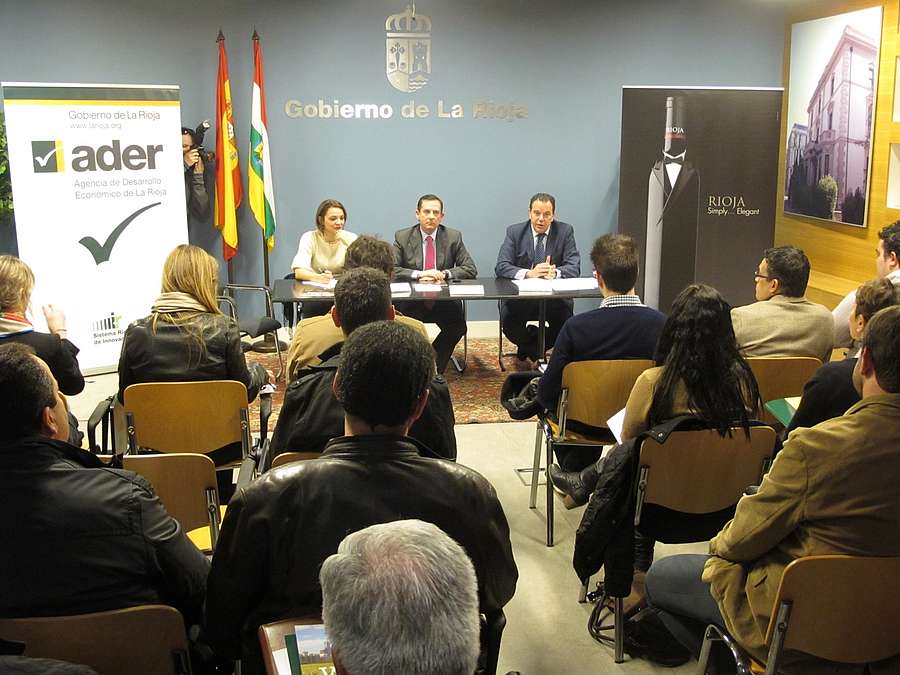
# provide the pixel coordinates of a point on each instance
(171, 303)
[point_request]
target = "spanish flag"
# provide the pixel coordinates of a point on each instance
(228, 171)
(259, 168)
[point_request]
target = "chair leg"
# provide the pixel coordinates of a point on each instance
(535, 471)
(619, 604)
(549, 496)
(703, 662)
(500, 339)
(280, 357)
(582, 593)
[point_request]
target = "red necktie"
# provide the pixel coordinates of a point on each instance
(430, 262)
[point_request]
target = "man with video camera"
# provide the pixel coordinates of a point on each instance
(195, 193)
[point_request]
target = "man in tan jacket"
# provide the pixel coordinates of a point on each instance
(783, 322)
(833, 489)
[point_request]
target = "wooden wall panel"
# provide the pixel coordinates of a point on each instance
(843, 256)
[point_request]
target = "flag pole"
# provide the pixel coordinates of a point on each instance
(265, 247)
(229, 264)
(268, 343)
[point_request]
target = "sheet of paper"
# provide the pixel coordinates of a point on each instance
(615, 424)
(282, 663)
(316, 284)
(793, 401)
(574, 284)
(466, 289)
(400, 288)
(534, 285)
(427, 288)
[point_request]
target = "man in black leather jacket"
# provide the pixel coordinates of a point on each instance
(77, 536)
(311, 415)
(278, 530)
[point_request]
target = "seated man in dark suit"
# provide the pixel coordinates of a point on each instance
(431, 253)
(77, 535)
(621, 328)
(311, 415)
(279, 530)
(541, 247)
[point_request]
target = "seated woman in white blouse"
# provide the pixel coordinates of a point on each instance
(320, 256)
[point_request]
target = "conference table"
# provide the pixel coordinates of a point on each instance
(289, 291)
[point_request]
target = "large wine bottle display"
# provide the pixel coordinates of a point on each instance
(706, 212)
(673, 201)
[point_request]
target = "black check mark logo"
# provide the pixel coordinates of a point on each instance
(101, 252)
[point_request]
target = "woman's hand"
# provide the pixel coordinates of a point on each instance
(56, 320)
(324, 277)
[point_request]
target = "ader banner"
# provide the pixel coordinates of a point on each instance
(697, 186)
(97, 178)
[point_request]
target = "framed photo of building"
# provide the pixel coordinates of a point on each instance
(832, 85)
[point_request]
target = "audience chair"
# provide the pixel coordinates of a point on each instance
(254, 328)
(271, 638)
(697, 477)
(149, 639)
(192, 417)
(186, 485)
(492, 625)
(592, 392)
(288, 457)
(819, 599)
(781, 377)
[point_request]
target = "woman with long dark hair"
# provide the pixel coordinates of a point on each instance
(699, 372)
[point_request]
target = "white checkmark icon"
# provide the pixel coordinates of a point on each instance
(46, 158)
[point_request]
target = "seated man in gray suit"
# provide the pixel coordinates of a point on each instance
(541, 247)
(783, 322)
(433, 253)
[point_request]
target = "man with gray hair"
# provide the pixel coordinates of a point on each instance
(418, 591)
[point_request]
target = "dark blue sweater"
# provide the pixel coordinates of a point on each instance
(626, 332)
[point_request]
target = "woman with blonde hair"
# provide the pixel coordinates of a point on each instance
(321, 253)
(54, 348)
(186, 337)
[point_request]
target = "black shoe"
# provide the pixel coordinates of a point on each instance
(576, 485)
(646, 637)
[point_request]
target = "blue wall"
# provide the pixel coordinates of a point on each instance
(566, 63)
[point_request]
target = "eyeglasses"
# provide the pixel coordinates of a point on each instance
(757, 276)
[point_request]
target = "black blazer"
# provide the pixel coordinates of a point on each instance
(450, 252)
(517, 250)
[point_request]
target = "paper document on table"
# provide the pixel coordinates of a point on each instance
(401, 288)
(574, 284)
(466, 289)
(427, 288)
(534, 285)
(317, 284)
(615, 424)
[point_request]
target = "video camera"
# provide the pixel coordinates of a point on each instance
(197, 135)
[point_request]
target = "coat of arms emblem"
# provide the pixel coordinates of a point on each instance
(407, 50)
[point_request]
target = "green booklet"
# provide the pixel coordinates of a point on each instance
(784, 408)
(309, 651)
